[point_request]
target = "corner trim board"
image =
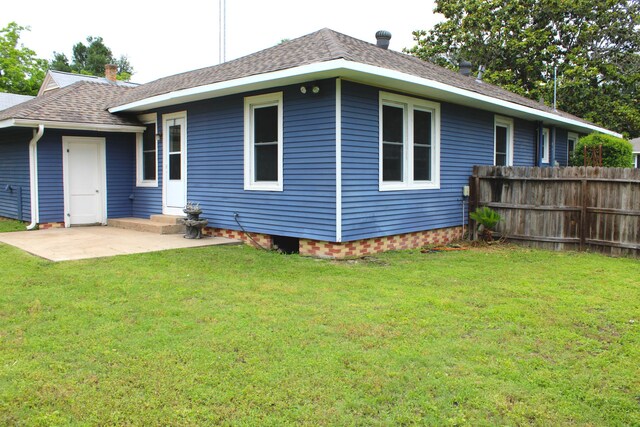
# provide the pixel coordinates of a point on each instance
(338, 160)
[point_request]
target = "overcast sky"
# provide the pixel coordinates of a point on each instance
(162, 37)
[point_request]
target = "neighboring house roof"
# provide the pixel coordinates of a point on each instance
(10, 99)
(327, 53)
(82, 105)
(59, 79)
(636, 145)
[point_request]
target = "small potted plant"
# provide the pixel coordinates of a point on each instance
(487, 219)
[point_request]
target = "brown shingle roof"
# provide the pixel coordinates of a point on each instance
(83, 103)
(321, 46)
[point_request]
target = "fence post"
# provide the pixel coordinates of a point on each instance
(583, 215)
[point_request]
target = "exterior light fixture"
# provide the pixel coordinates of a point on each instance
(315, 89)
(303, 90)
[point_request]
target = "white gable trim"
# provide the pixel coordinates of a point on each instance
(365, 73)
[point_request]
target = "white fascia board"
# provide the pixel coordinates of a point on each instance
(74, 126)
(7, 123)
(365, 73)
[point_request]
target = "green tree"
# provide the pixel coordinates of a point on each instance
(21, 71)
(90, 59)
(594, 45)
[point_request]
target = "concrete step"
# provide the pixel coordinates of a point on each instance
(166, 219)
(140, 224)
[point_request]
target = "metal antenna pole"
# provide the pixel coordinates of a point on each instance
(555, 85)
(219, 31)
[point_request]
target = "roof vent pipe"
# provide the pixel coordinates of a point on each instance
(465, 68)
(480, 73)
(382, 39)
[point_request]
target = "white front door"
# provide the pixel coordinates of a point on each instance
(174, 132)
(84, 180)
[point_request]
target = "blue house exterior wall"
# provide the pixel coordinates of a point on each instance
(215, 163)
(120, 160)
(14, 172)
(467, 139)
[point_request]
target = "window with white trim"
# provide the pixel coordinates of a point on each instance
(503, 141)
(147, 153)
(409, 143)
(545, 145)
(263, 142)
(572, 140)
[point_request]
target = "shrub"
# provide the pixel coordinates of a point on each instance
(487, 219)
(616, 152)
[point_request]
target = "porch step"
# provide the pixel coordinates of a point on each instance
(166, 219)
(154, 225)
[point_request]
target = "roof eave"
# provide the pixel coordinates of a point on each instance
(364, 73)
(71, 125)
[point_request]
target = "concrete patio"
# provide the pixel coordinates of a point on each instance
(65, 244)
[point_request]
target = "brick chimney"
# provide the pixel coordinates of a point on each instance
(110, 71)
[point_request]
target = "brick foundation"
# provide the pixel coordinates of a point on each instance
(48, 225)
(356, 248)
(264, 240)
(376, 245)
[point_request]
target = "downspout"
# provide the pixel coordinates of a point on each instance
(33, 175)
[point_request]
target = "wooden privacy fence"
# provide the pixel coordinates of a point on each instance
(575, 208)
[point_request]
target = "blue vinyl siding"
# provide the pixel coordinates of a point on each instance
(50, 182)
(466, 140)
(14, 172)
(121, 174)
(215, 144)
(120, 159)
(148, 200)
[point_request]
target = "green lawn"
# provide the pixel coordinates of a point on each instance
(11, 225)
(235, 336)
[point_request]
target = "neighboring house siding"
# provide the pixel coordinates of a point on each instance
(561, 146)
(525, 143)
(215, 143)
(14, 172)
(467, 139)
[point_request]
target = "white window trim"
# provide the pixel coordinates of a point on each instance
(410, 104)
(508, 123)
(140, 182)
(546, 144)
(250, 103)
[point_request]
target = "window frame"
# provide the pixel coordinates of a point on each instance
(571, 136)
(409, 105)
(146, 119)
(250, 104)
(546, 145)
(505, 122)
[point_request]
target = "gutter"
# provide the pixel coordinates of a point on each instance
(33, 175)
(50, 124)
